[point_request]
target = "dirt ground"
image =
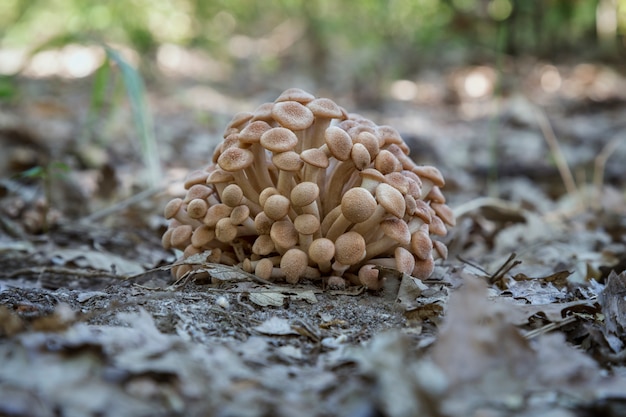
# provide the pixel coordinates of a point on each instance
(526, 317)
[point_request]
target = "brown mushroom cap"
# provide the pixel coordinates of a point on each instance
(325, 108)
(339, 142)
(197, 208)
(279, 139)
(314, 157)
(252, 132)
(276, 206)
(304, 194)
(349, 248)
(391, 199)
(292, 115)
(357, 205)
(307, 224)
(284, 234)
(293, 264)
(295, 94)
(235, 159)
(321, 250)
(232, 195)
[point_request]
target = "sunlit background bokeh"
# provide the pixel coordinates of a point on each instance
(369, 48)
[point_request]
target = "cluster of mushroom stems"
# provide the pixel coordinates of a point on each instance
(300, 189)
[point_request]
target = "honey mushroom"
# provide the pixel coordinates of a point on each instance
(301, 189)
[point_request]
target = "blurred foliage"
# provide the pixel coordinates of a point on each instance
(366, 41)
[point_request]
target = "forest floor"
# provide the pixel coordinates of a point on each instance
(526, 317)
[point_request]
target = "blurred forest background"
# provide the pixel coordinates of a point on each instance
(339, 47)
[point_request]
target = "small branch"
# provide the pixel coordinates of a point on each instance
(599, 169)
(559, 157)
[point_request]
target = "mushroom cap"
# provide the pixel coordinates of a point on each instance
(263, 224)
(430, 173)
(314, 157)
(219, 176)
(292, 115)
(321, 250)
(264, 268)
(215, 213)
(279, 139)
(263, 245)
(304, 194)
(276, 206)
(202, 235)
(350, 248)
(397, 229)
(405, 261)
(263, 196)
(293, 264)
(371, 173)
(435, 195)
(284, 234)
(263, 113)
(172, 207)
(232, 195)
(370, 141)
(421, 244)
(307, 224)
(181, 236)
(423, 268)
(225, 230)
(295, 94)
(444, 213)
(238, 120)
(325, 108)
(386, 162)
(369, 277)
(197, 208)
(235, 159)
(252, 132)
(287, 161)
(441, 249)
(198, 191)
(239, 214)
(195, 177)
(391, 199)
(357, 205)
(339, 142)
(360, 156)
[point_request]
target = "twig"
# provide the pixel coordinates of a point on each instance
(549, 327)
(559, 157)
(599, 168)
(507, 266)
(137, 198)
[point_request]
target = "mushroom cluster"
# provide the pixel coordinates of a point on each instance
(300, 189)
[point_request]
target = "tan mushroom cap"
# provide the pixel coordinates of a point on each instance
(339, 142)
(235, 159)
(391, 199)
(430, 173)
(370, 141)
(287, 161)
(279, 139)
(232, 195)
(197, 208)
(263, 224)
(263, 196)
(292, 115)
(195, 177)
(307, 224)
(284, 234)
(396, 229)
(181, 236)
(263, 269)
(263, 113)
(304, 193)
(445, 213)
(202, 236)
(263, 245)
(357, 205)
(314, 157)
(322, 250)
(252, 132)
(239, 214)
(276, 206)
(386, 162)
(360, 156)
(293, 264)
(369, 277)
(225, 230)
(421, 244)
(295, 94)
(326, 108)
(349, 248)
(237, 122)
(405, 261)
